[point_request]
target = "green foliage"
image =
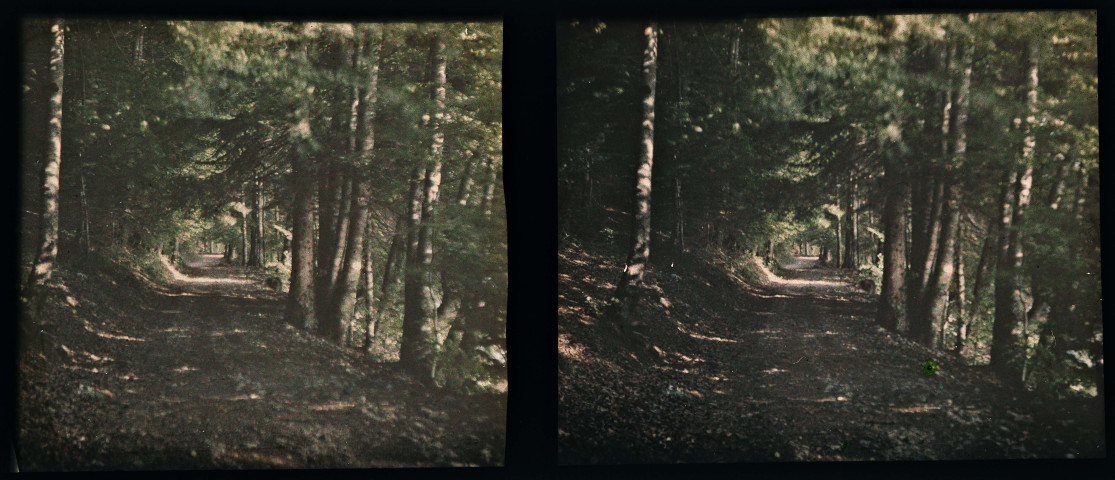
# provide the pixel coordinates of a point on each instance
(929, 367)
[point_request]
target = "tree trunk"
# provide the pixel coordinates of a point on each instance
(255, 255)
(632, 278)
(851, 242)
(369, 292)
(343, 298)
(962, 314)
(937, 288)
(300, 299)
(1006, 354)
(489, 187)
(396, 254)
(464, 187)
(48, 228)
(892, 304)
(936, 297)
(417, 348)
(340, 235)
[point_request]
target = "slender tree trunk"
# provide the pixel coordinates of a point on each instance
(1007, 354)
(937, 288)
(464, 187)
(962, 314)
(48, 228)
(335, 324)
(255, 255)
(340, 235)
(632, 278)
(417, 348)
(396, 254)
(300, 299)
(489, 187)
(892, 301)
(851, 243)
(369, 291)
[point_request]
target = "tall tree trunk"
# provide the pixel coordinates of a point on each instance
(464, 187)
(326, 243)
(851, 243)
(937, 288)
(343, 298)
(396, 254)
(936, 296)
(1006, 353)
(632, 278)
(962, 313)
(489, 187)
(369, 291)
(48, 228)
(255, 255)
(417, 348)
(892, 312)
(300, 299)
(892, 302)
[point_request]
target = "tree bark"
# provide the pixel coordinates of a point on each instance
(255, 255)
(1006, 353)
(300, 299)
(962, 313)
(417, 347)
(343, 297)
(937, 288)
(48, 228)
(632, 278)
(851, 243)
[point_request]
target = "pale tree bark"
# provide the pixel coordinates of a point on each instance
(489, 187)
(632, 278)
(417, 347)
(1006, 352)
(43, 267)
(962, 313)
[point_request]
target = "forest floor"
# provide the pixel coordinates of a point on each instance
(795, 370)
(204, 374)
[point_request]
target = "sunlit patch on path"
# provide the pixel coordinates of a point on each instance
(203, 261)
(800, 263)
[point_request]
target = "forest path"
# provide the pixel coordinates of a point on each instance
(205, 374)
(796, 370)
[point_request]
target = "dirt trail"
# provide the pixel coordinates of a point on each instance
(796, 370)
(204, 374)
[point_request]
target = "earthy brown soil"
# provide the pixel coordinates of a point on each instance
(204, 374)
(796, 370)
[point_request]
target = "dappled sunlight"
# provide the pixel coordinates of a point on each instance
(916, 408)
(221, 333)
(89, 328)
(826, 333)
(181, 278)
(331, 406)
(238, 398)
(711, 339)
(185, 368)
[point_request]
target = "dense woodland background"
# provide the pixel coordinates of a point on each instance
(948, 163)
(353, 171)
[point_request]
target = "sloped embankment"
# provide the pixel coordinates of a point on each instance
(203, 373)
(796, 370)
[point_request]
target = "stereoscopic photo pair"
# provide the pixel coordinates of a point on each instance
(285, 244)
